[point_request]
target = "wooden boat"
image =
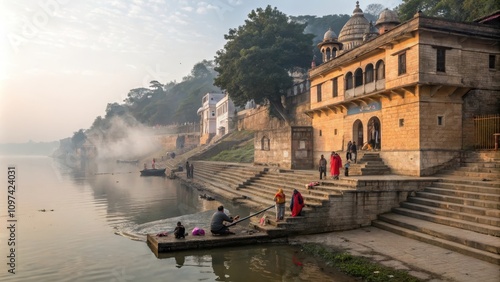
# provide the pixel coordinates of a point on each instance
(153, 172)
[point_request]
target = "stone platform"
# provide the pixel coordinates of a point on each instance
(244, 236)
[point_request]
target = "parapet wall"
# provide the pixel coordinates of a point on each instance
(357, 208)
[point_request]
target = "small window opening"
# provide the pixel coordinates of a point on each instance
(492, 60)
(440, 120)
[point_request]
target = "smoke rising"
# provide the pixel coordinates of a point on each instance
(124, 139)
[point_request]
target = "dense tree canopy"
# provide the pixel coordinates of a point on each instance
(458, 10)
(259, 56)
(78, 138)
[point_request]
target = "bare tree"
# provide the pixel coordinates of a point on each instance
(374, 9)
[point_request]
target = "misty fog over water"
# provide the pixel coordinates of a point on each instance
(91, 227)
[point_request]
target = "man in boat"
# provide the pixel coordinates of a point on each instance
(218, 218)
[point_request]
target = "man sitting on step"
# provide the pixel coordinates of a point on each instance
(218, 218)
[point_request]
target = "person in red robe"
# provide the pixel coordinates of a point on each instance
(297, 203)
(337, 164)
(332, 165)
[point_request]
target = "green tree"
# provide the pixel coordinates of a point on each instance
(114, 109)
(202, 70)
(259, 56)
(136, 95)
(457, 10)
(78, 138)
(480, 8)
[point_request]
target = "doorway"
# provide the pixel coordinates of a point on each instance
(374, 133)
(357, 133)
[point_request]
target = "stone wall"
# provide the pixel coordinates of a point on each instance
(477, 102)
(276, 130)
(279, 151)
(357, 208)
(171, 142)
(255, 119)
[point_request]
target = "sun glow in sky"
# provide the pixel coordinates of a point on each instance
(63, 61)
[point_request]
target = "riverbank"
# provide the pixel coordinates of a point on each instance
(420, 260)
(387, 250)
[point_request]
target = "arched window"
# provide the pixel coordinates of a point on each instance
(334, 52)
(348, 81)
(264, 144)
(380, 70)
(369, 73)
(358, 77)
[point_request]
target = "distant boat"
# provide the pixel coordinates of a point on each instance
(127, 161)
(153, 172)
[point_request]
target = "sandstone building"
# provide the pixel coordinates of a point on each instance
(409, 89)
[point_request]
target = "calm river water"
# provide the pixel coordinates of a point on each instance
(91, 227)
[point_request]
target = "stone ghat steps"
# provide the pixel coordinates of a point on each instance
(258, 185)
(450, 218)
(271, 182)
(453, 207)
(459, 200)
(262, 189)
(224, 177)
(482, 157)
(481, 166)
(459, 212)
(232, 178)
(481, 187)
(481, 163)
(464, 194)
(479, 175)
(268, 192)
(484, 247)
(481, 216)
(369, 164)
(459, 181)
(289, 226)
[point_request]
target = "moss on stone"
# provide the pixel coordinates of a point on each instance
(358, 266)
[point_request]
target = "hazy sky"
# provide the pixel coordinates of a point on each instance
(62, 61)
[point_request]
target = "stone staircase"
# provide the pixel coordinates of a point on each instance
(369, 163)
(256, 186)
(461, 212)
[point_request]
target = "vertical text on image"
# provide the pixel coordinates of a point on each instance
(11, 219)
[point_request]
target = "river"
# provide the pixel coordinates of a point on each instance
(67, 226)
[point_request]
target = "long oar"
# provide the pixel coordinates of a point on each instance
(247, 217)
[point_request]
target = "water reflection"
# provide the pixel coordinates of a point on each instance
(263, 263)
(76, 241)
(136, 206)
